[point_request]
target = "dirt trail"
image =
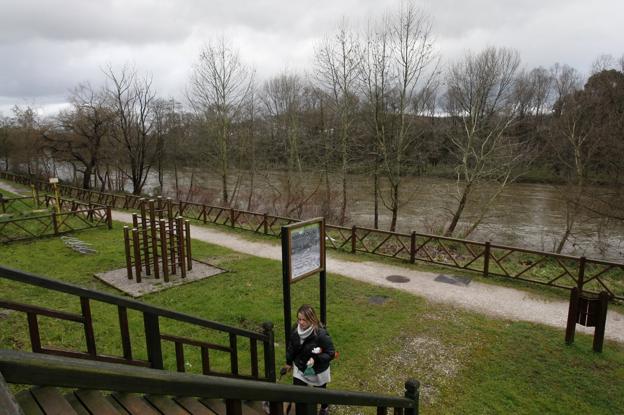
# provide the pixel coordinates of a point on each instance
(489, 299)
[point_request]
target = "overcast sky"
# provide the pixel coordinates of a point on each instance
(47, 47)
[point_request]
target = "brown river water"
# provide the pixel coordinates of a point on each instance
(526, 215)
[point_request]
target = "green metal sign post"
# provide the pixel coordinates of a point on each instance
(303, 254)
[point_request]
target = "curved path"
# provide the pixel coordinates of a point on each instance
(489, 299)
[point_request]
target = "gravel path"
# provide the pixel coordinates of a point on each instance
(489, 299)
(9, 188)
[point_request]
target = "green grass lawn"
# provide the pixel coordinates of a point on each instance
(466, 362)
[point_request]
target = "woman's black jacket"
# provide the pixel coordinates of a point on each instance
(299, 354)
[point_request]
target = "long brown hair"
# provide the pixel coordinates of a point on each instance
(310, 315)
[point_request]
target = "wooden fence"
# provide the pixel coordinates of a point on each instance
(27, 224)
(562, 271)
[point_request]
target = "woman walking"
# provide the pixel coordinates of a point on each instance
(309, 351)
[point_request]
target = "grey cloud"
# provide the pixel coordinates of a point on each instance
(48, 46)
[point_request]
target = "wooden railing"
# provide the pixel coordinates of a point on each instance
(545, 268)
(74, 216)
(30, 369)
(152, 317)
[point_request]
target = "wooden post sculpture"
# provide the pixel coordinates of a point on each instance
(158, 242)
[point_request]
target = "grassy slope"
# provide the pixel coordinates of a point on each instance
(466, 362)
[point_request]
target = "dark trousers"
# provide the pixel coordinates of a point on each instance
(299, 382)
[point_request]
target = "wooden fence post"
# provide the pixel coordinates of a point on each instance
(181, 240)
(581, 274)
(137, 254)
(412, 392)
(127, 246)
(573, 310)
(486, 259)
(601, 319)
(413, 247)
(233, 354)
(353, 238)
(55, 223)
(269, 351)
(187, 234)
(154, 237)
(152, 340)
(232, 219)
(146, 250)
(109, 217)
(163, 249)
(265, 220)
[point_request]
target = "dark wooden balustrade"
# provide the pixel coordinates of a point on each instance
(152, 317)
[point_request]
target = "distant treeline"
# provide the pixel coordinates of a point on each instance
(379, 102)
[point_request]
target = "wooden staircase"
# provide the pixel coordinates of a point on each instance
(49, 400)
(70, 381)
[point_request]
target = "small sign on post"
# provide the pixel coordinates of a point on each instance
(54, 182)
(303, 255)
(589, 311)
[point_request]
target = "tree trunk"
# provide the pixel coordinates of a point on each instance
(376, 197)
(86, 177)
(225, 190)
(460, 209)
(343, 207)
(395, 206)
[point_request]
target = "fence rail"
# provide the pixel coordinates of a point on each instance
(77, 216)
(561, 271)
(152, 318)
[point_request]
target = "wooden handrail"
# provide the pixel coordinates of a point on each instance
(35, 369)
(27, 278)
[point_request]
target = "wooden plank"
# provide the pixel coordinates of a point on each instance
(253, 408)
(52, 402)
(28, 403)
(135, 405)
(76, 404)
(166, 405)
(117, 405)
(193, 406)
(216, 405)
(95, 402)
(8, 404)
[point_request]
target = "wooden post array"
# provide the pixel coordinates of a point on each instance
(158, 243)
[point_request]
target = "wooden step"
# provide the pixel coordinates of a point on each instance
(134, 404)
(52, 402)
(49, 401)
(165, 405)
(193, 406)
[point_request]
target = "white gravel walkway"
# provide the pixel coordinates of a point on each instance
(489, 299)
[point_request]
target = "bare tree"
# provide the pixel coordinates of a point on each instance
(375, 80)
(27, 137)
(85, 129)
(399, 65)
(6, 146)
(337, 65)
(481, 100)
(133, 99)
(219, 88)
(586, 139)
(282, 98)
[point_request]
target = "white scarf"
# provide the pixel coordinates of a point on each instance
(304, 334)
